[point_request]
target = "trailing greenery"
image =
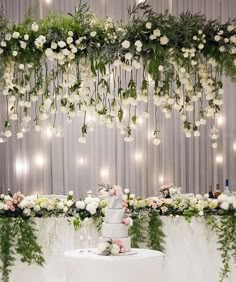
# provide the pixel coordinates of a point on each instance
(137, 231)
(156, 236)
(18, 237)
(225, 228)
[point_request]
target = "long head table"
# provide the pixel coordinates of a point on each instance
(191, 251)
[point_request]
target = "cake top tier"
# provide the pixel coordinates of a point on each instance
(116, 191)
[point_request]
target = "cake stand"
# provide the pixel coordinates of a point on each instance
(137, 266)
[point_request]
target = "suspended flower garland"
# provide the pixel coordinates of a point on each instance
(116, 73)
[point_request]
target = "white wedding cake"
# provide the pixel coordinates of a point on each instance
(114, 227)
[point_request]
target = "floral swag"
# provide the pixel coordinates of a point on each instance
(113, 72)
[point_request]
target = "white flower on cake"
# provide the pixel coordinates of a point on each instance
(111, 247)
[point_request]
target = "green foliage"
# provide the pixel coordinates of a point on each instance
(156, 240)
(137, 232)
(225, 228)
(147, 229)
(17, 237)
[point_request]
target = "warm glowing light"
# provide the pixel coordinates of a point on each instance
(139, 1)
(219, 159)
(104, 173)
(234, 146)
(161, 179)
(81, 161)
(39, 160)
(22, 167)
(138, 156)
(140, 120)
(49, 132)
(48, 2)
(220, 120)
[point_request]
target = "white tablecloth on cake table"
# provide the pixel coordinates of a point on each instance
(191, 252)
(138, 266)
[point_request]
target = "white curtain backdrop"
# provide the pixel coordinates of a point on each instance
(140, 166)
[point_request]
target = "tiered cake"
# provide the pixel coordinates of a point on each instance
(113, 226)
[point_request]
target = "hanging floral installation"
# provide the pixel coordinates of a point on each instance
(114, 72)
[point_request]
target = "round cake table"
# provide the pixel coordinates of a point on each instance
(139, 266)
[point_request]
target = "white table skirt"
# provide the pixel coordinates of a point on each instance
(191, 252)
(86, 266)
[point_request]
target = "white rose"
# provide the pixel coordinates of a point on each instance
(27, 212)
(102, 248)
(157, 32)
(37, 208)
(125, 44)
(164, 40)
(115, 250)
(71, 193)
(222, 49)
(3, 43)
(91, 208)
(1, 206)
(230, 28)
(34, 27)
(80, 205)
(26, 37)
(49, 53)
(138, 44)
(1, 50)
(14, 53)
(128, 56)
(23, 44)
(148, 25)
(93, 33)
(200, 46)
(82, 140)
(65, 209)
(69, 203)
(234, 204)
(61, 44)
(60, 205)
(126, 191)
(21, 66)
(217, 38)
(8, 36)
(15, 34)
(69, 40)
(224, 206)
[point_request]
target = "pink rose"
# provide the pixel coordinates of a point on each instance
(159, 203)
(149, 202)
(164, 209)
(118, 242)
(112, 192)
(126, 221)
(122, 250)
(154, 206)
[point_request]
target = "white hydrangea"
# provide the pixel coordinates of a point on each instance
(80, 205)
(148, 25)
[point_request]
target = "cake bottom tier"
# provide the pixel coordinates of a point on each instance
(126, 242)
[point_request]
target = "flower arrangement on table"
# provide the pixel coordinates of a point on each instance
(111, 247)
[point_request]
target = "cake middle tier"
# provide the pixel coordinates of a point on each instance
(114, 230)
(114, 215)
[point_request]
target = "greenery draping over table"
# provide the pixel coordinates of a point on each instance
(114, 72)
(18, 235)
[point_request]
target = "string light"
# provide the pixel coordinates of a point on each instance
(219, 159)
(161, 179)
(22, 167)
(220, 120)
(49, 132)
(81, 161)
(104, 174)
(39, 160)
(138, 156)
(48, 2)
(234, 146)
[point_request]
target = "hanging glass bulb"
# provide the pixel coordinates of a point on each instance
(214, 133)
(3, 138)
